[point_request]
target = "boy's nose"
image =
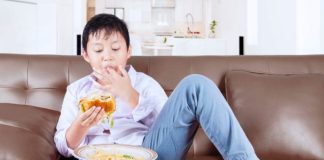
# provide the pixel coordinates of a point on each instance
(107, 55)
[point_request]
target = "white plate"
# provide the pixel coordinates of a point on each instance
(135, 151)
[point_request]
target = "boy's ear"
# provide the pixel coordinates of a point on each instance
(129, 52)
(85, 55)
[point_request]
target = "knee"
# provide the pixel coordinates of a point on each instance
(197, 79)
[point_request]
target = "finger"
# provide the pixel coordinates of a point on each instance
(97, 75)
(97, 71)
(85, 118)
(100, 74)
(87, 113)
(106, 87)
(123, 71)
(113, 73)
(101, 79)
(88, 121)
(97, 84)
(100, 116)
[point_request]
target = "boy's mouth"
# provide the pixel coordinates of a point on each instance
(111, 68)
(108, 66)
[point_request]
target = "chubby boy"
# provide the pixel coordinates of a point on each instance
(144, 114)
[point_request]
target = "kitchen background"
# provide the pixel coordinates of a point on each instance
(168, 27)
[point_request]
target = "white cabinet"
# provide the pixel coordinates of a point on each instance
(18, 27)
(37, 27)
(198, 46)
(185, 46)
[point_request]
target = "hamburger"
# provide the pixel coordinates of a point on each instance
(107, 102)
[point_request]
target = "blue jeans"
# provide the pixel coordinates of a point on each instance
(197, 100)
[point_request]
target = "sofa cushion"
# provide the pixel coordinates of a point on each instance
(26, 132)
(282, 115)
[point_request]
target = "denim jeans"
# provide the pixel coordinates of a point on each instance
(197, 100)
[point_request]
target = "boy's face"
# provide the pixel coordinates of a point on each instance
(106, 51)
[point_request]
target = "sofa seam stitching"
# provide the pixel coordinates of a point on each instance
(190, 62)
(27, 79)
(268, 63)
(26, 129)
(148, 69)
(68, 72)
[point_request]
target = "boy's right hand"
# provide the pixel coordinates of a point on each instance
(79, 128)
(91, 117)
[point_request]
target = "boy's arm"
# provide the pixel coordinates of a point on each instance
(73, 125)
(133, 98)
(69, 112)
(151, 101)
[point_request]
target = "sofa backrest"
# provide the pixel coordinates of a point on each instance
(41, 80)
(38, 80)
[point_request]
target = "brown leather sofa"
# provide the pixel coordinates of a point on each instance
(277, 99)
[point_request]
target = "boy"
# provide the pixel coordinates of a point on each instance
(144, 115)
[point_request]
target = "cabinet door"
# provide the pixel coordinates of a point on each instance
(18, 26)
(29, 26)
(192, 46)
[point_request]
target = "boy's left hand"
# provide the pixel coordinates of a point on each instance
(119, 84)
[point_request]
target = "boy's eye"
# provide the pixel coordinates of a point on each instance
(98, 51)
(115, 49)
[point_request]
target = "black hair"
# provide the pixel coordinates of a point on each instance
(107, 22)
